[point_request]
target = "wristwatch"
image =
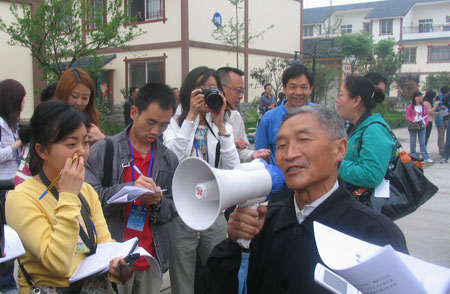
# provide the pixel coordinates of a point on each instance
(225, 135)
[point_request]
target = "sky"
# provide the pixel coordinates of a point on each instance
(321, 3)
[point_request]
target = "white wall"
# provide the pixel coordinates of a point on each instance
(16, 62)
(396, 29)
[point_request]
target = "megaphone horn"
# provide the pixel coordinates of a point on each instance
(201, 192)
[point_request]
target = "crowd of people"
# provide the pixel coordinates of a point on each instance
(328, 158)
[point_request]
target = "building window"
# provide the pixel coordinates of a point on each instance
(409, 55)
(308, 31)
(147, 10)
(439, 54)
(366, 27)
(386, 26)
(97, 13)
(346, 29)
(143, 71)
(425, 25)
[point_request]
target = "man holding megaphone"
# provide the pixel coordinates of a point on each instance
(310, 145)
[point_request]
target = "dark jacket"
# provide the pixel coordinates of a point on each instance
(126, 110)
(162, 173)
(284, 254)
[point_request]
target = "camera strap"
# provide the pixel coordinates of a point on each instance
(216, 161)
(89, 238)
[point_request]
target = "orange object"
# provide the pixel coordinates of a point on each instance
(405, 157)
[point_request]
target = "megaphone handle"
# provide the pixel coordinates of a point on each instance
(245, 243)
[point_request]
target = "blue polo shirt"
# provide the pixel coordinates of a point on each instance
(268, 127)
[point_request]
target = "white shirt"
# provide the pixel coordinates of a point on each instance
(237, 123)
(303, 214)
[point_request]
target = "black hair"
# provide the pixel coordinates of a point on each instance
(48, 92)
(364, 88)
(196, 77)
(376, 78)
(132, 89)
(296, 71)
(12, 94)
(413, 98)
(156, 92)
(445, 89)
(281, 95)
(51, 122)
(266, 85)
(429, 96)
(224, 73)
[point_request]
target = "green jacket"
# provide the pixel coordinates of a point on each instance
(367, 167)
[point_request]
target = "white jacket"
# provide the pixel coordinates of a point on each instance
(181, 139)
(8, 157)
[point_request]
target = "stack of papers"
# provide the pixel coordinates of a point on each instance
(129, 193)
(13, 245)
(375, 269)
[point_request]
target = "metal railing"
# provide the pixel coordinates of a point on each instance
(427, 29)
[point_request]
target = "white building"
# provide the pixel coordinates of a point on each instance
(420, 27)
(178, 38)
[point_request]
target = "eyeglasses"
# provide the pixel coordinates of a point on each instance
(238, 91)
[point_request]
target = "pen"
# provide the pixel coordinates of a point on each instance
(55, 180)
(138, 170)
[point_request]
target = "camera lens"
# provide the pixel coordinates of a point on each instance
(214, 101)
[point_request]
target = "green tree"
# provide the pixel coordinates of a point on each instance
(357, 48)
(271, 73)
(54, 31)
(436, 80)
(324, 80)
(233, 33)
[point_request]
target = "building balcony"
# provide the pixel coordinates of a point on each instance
(426, 32)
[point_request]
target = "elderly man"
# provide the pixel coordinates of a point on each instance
(310, 145)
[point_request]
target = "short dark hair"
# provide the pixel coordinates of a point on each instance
(296, 71)
(266, 85)
(52, 121)
(12, 94)
(48, 92)
(281, 95)
(224, 73)
(132, 89)
(364, 88)
(445, 89)
(156, 92)
(375, 78)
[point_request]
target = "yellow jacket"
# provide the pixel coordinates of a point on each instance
(49, 230)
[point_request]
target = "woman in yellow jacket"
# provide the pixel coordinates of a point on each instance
(62, 226)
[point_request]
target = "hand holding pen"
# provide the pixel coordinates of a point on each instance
(148, 183)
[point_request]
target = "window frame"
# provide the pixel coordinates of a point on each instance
(425, 24)
(367, 27)
(134, 60)
(409, 55)
(444, 47)
(88, 19)
(163, 19)
(387, 20)
(346, 28)
(309, 29)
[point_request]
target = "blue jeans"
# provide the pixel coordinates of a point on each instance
(412, 141)
(447, 144)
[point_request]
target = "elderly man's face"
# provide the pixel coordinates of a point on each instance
(305, 154)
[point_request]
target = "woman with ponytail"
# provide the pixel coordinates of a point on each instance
(370, 146)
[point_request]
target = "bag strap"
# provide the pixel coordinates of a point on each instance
(107, 162)
(216, 163)
(397, 142)
(89, 238)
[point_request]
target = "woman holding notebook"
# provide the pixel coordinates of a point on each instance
(60, 225)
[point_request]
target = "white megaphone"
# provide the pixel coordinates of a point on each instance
(201, 192)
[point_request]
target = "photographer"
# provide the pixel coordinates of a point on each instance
(198, 129)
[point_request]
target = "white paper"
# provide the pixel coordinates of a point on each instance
(13, 245)
(129, 193)
(375, 269)
(99, 262)
(382, 190)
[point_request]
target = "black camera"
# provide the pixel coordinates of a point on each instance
(212, 98)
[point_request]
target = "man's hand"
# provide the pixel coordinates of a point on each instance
(262, 153)
(271, 106)
(148, 183)
(246, 222)
(119, 269)
(240, 143)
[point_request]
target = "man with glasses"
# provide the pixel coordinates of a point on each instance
(233, 88)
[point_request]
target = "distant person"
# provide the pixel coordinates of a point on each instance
(431, 105)
(77, 88)
(128, 103)
(417, 112)
(233, 88)
(267, 100)
(48, 92)
(298, 83)
(176, 92)
(446, 102)
(281, 97)
(377, 79)
(442, 119)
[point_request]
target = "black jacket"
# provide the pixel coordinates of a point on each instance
(283, 256)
